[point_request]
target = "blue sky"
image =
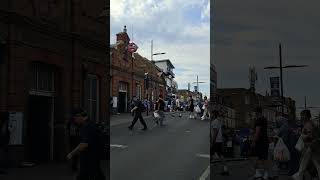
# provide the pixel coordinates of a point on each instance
(179, 28)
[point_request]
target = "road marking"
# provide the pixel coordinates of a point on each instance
(207, 156)
(118, 146)
(206, 174)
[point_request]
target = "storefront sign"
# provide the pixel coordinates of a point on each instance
(15, 128)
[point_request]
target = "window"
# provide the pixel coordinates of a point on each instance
(42, 78)
(123, 87)
(247, 100)
(138, 91)
(93, 97)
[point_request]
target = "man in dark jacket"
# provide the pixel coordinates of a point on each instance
(88, 148)
(74, 139)
(138, 109)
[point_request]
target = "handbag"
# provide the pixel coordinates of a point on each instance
(300, 144)
(281, 152)
(156, 115)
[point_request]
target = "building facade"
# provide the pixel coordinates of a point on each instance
(244, 102)
(53, 58)
(167, 68)
(127, 73)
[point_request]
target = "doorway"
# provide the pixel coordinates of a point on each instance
(122, 102)
(40, 128)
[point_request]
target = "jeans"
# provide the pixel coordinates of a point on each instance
(162, 116)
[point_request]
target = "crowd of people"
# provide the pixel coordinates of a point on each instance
(290, 148)
(196, 109)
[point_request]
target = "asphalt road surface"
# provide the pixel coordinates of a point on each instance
(177, 151)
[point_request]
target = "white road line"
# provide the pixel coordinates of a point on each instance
(118, 146)
(204, 155)
(206, 174)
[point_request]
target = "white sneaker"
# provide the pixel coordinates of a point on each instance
(258, 174)
(297, 176)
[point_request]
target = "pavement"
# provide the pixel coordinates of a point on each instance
(239, 169)
(177, 151)
(51, 171)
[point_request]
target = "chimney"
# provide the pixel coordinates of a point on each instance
(123, 36)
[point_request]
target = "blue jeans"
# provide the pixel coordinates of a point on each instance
(162, 116)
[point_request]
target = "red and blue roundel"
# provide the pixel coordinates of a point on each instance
(132, 47)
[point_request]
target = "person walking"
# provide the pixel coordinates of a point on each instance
(178, 106)
(217, 144)
(160, 109)
(311, 151)
(137, 110)
(260, 145)
(4, 141)
(88, 148)
(205, 108)
(191, 108)
(73, 133)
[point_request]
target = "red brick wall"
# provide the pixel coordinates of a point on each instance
(51, 44)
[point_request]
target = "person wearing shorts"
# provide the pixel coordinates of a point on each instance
(217, 142)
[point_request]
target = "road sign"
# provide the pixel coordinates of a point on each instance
(275, 86)
(132, 47)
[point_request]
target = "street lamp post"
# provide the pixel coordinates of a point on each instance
(154, 54)
(281, 75)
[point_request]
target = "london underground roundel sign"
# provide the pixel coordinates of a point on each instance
(132, 47)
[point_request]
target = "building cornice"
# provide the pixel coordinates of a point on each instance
(50, 29)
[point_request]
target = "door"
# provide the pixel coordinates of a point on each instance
(39, 131)
(122, 102)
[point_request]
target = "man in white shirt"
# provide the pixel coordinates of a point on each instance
(217, 141)
(178, 106)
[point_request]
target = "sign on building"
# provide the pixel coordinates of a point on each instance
(132, 47)
(275, 86)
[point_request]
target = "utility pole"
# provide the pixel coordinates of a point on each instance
(281, 75)
(305, 102)
(197, 84)
(281, 79)
(151, 50)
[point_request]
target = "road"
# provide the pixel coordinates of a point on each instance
(177, 151)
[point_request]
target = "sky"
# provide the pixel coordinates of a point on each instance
(247, 33)
(179, 28)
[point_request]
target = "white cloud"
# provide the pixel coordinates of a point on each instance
(206, 11)
(187, 44)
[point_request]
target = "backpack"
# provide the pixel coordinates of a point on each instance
(141, 106)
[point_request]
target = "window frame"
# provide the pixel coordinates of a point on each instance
(90, 99)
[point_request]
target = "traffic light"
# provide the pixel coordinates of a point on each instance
(146, 81)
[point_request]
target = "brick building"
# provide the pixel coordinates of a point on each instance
(127, 75)
(52, 59)
(244, 102)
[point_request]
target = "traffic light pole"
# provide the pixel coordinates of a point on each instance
(147, 102)
(146, 82)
